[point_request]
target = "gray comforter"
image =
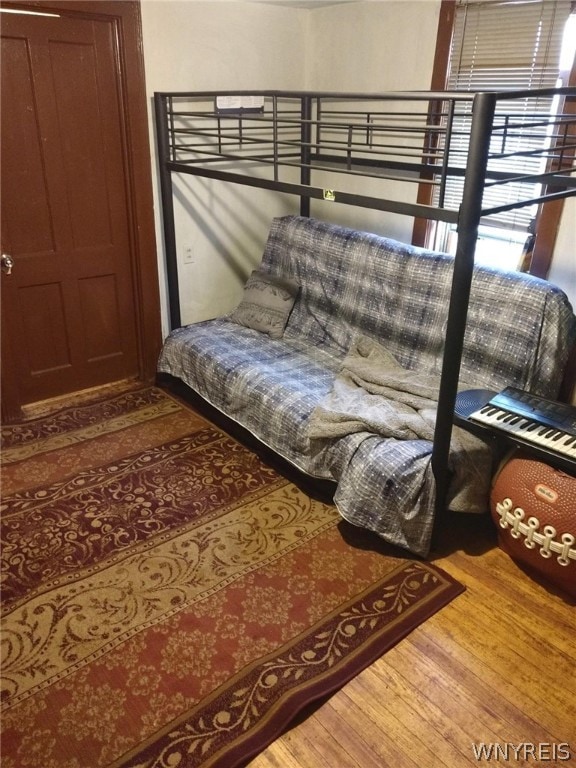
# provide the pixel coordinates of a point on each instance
(374, 393)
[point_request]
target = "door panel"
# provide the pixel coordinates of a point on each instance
(68, 307)
(26, 228)
(48, 349)
(80, 130)
(99, 298)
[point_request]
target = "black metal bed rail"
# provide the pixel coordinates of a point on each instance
(458, 135)
(245, 133)
(427, 145)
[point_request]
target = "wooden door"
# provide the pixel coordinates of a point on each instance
(69, 305)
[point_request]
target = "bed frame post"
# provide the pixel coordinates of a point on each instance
(166, 191)
(470, 212)
(306, 138)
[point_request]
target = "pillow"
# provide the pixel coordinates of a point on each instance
(266, 304)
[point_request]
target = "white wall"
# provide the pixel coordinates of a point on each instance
(194, 46)
(372, 46)
(563, 270)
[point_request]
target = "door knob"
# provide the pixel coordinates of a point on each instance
(7, 262)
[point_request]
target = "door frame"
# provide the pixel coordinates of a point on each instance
(126, 20)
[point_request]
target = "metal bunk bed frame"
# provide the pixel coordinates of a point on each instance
(404, 137)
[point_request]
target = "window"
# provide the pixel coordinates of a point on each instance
(500, 45)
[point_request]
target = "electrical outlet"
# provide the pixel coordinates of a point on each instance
(188, 254)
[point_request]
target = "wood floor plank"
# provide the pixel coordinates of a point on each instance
(387, 747)
(355, 747)
(551, 703)
(518, 666)
(366, 708)
(461, 695)
(525, 654)
(440, 745)
(313, 741)
(514, 588)
(438, 701)
(278, 755)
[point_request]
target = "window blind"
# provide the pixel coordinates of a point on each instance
(496, 46)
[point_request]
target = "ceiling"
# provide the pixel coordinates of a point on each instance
(304, 3)
(308, 4)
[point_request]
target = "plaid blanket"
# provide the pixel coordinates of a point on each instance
(373, 394)
(518, 333)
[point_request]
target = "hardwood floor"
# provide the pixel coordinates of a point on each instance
(496, 666)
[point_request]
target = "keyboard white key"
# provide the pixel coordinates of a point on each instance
(531, 431)
(544, 428)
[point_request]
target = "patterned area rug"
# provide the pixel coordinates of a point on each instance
(170, 600)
